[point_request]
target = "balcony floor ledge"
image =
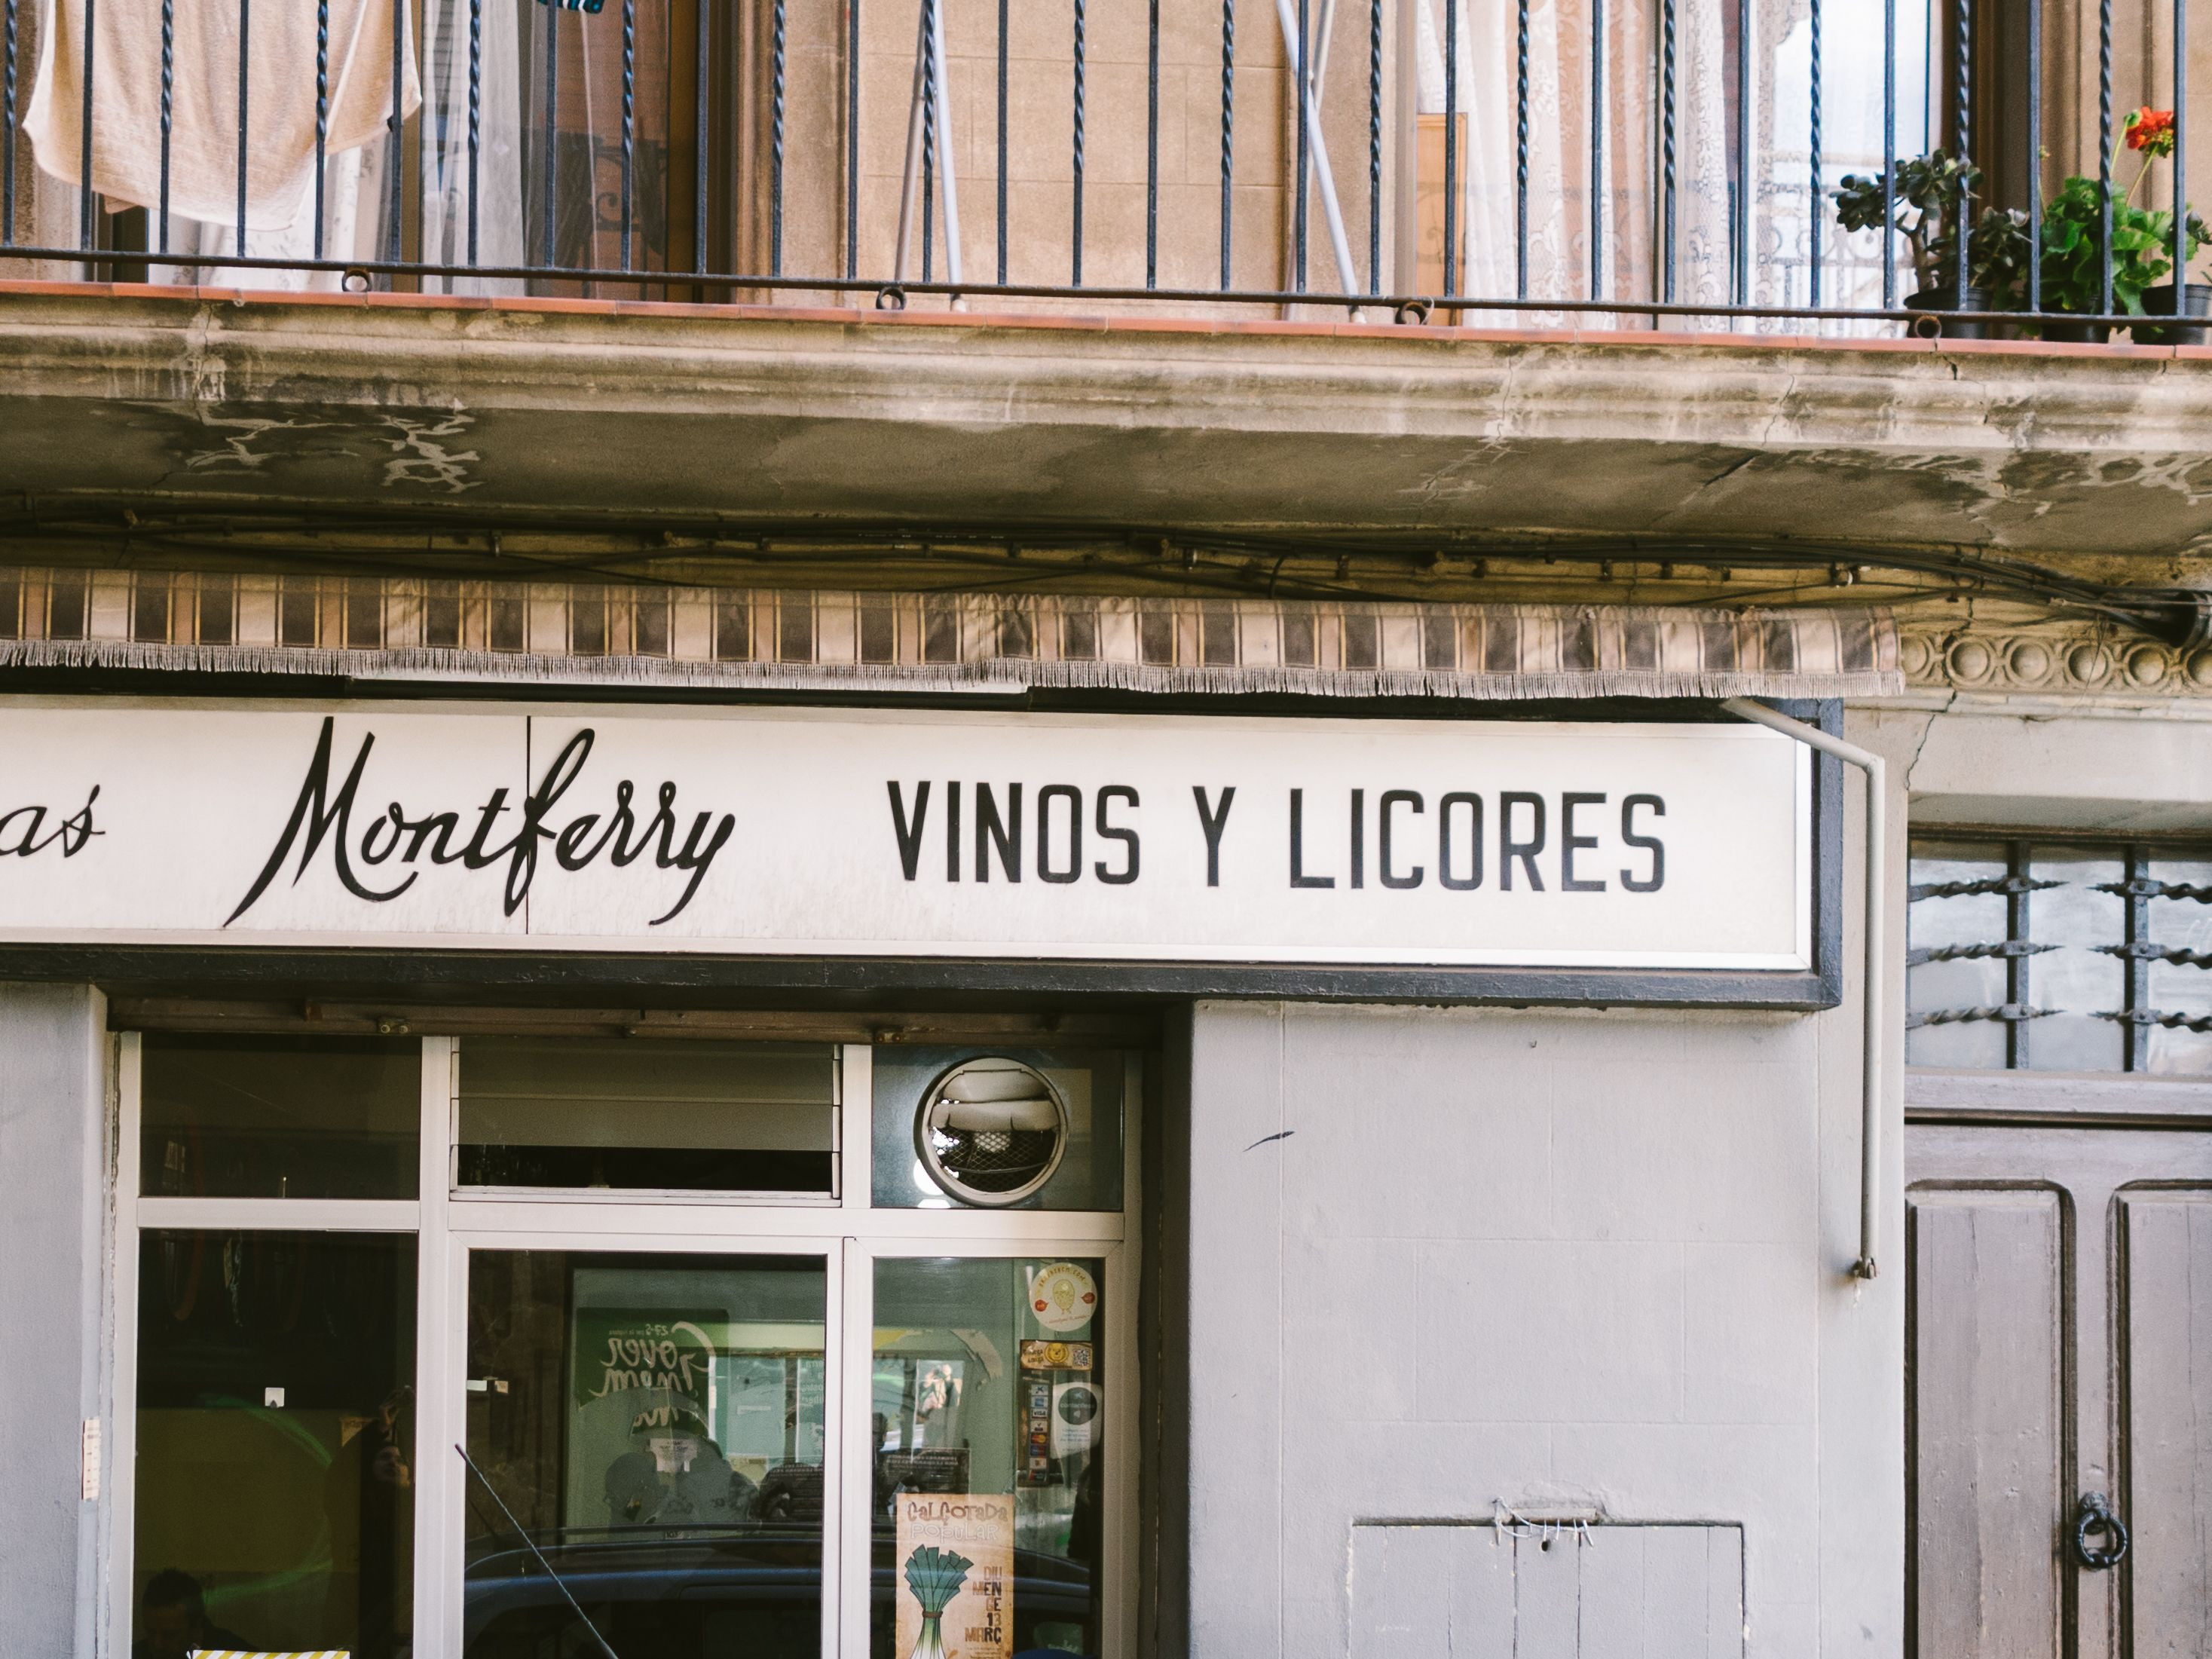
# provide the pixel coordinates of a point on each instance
(339, 401)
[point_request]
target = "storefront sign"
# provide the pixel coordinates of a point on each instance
(905, 833)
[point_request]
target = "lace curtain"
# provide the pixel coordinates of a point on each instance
(1581, 75)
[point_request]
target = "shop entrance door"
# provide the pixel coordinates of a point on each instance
(647, 1431)
(2059, 1389)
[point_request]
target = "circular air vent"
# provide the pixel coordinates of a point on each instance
(991, 1130)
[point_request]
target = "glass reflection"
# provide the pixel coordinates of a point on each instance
(988, 1432)
(276, 1470)
(655, 1426)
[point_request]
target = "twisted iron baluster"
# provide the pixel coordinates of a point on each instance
(852, 139)
(475, 113)
(1519, 150)
(629, 125)
(169, 110)
(1667, 147)
(1153, 144)
(1228, 124)
(928, 133)
(8, 128)
(1075, 268)
(775, 142)
(1374, 146)
(1815, 205)
(1962, 47)
(2105, 152)
(245, 40)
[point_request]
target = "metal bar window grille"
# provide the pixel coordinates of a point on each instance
(2049, 953)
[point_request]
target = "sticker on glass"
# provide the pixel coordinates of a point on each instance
(1063, 1296)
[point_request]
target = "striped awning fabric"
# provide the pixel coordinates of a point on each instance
(389, 627)
(257, 1653)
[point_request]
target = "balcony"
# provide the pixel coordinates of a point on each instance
(1419, 276)
(1620, 165)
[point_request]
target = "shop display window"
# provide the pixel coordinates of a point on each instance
(988, 1445)
(646, 1114)
(275, 1441)
(279, 1117)
(655, 1427)
(678, 1357)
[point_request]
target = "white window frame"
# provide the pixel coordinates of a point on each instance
(845, 1229)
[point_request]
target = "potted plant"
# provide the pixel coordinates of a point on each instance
(1929, 199)
(2072, 237)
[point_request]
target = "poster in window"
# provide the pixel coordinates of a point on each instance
(641, 1449)
(954, 1578)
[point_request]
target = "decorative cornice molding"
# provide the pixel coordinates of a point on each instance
(2076, 659)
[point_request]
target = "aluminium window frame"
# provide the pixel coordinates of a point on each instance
(847, 1231)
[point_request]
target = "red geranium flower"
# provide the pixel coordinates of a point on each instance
(2151, 131)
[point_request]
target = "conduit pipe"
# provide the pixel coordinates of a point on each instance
(1877, 954)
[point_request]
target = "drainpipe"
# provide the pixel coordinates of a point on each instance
(1877, 946)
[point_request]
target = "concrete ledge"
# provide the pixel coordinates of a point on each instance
(840, 417)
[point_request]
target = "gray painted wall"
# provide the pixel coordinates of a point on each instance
(1558, 1258)
(53, 1252)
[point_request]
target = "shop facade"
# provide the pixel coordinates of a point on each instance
(821, 1169)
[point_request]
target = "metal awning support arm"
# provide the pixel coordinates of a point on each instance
(1877, 954)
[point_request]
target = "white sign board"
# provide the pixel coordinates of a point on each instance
(905, 833)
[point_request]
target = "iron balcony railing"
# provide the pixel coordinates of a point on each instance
(1851, 165)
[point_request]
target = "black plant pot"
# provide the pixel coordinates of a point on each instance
(1949, 299)
(2056, 326)
(2159, 302)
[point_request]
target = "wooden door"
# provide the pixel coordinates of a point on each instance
(2058, 1345)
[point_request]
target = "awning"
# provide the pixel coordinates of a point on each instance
(415, 628)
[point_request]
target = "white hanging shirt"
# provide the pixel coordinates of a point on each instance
(203, 134)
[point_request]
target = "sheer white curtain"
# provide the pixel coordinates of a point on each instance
(1638, 255)
(354, 218)
(483, 46)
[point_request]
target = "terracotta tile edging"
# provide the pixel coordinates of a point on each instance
(1092, 323)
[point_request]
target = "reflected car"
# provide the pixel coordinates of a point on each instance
(690, 1593)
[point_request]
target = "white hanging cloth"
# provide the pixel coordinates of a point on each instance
(204, 138)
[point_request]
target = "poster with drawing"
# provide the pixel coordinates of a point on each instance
(955, 1577)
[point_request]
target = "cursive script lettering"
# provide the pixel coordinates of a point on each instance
(323, 814)
(23, 831)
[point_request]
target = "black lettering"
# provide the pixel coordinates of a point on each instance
(1299, 876)
(992, 831)
(559, 774)
(1128, 873)
(1651, 844)
(1073, 797)
(1214, 820)
(568, 844)
(1570, 843)
(693, 858)
(393, 820)
(1359, 838)
(1473, 876)
(952, 831)
(475, 856)
(321, 812)
(77, 829)
(445, 825)
(1392, 798)
(1510, 849)
(909, 833)
(26, 839)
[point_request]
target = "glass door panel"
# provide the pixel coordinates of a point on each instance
(987, 1430)
(275, 1504)
(655, 1425)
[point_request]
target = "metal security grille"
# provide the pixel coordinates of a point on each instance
(2059, 955)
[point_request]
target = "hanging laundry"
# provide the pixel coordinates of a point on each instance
(278, 66)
